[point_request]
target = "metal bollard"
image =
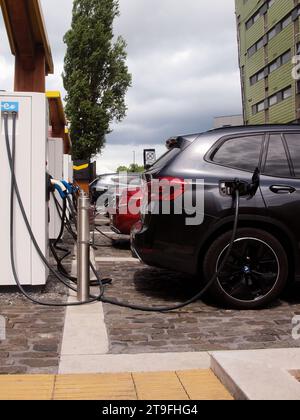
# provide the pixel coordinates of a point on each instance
(83, 248)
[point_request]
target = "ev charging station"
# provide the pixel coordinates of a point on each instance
(30, 170)
(55, 168)
(68, 168)
(59, 159)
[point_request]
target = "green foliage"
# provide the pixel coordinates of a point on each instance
(122, 169)
(133, 168)
(136, 168)
(95, 76)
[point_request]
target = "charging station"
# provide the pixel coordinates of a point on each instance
(68, 168)
(55, 168)
(30, 170)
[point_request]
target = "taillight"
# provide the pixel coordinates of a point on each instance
(164, 189)
(130, 200)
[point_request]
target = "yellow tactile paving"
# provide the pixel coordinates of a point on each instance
(203, 385)
(94, 387)
(18, 387)
(159, 386)
(194, 385)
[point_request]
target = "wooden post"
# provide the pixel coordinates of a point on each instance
(30, 78)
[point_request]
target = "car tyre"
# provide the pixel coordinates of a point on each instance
(263, 269)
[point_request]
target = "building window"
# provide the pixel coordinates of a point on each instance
(260, 75)
(287, 93)
(280, 61)
(285, 58)
(280, 26)
(261, 106)
(272, 100)
(286, 22)
(271, 34)
(260, 12)
(274, 66)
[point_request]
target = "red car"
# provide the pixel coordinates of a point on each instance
(127, 208)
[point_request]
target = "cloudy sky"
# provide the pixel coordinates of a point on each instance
(184, 64)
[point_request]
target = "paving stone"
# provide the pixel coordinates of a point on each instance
(13, 370)
(33, 333)
(37, 363)
(202, 326)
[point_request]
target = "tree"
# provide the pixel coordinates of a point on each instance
(133, 168)
(95, 76)
(122, 169)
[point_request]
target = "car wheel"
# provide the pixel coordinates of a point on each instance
(256, 271)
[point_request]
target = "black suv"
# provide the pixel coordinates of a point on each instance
(265, 255)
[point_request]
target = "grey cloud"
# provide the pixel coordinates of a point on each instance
(183, 58)
(184, 62)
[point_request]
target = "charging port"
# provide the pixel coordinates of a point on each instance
(229, 188)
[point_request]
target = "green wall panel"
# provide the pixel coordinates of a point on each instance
(281, 42)
(256, 32)
(257, 119)
(257, 92)
(256, 62)
(279, 9)
(283, 113)
(281, 78)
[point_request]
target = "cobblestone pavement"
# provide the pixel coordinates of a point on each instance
(199, 327)
(33, 333)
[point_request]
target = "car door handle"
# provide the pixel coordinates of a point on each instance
(282, 189)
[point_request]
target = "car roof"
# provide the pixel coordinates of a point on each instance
(223, 131)
(257, 128)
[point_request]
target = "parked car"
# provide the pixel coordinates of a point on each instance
(127, 207)
(100, 186)
(265, 257)
(108, 188)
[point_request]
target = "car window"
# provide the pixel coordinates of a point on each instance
(293, 142)
(241, 153)
(165, 159)
(277, 162)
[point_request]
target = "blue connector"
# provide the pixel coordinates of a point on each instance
(72, 189)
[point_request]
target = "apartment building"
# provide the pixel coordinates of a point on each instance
(268, 39)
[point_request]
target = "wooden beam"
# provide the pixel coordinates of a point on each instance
(58, 120)
(30, 79)
(28, 40)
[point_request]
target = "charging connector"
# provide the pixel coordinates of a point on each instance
(229, 188)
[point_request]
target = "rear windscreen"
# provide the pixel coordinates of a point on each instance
(166, 158)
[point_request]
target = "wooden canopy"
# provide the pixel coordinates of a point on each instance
(29, 43)
(58, 121)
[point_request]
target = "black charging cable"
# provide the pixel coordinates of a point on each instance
(54, 245)
(101, 297)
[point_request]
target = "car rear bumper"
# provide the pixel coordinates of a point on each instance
(158, 255)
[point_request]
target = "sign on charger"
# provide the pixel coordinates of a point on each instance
(9, 106)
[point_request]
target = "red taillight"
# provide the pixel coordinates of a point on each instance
(130, 199)
(164, 189)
